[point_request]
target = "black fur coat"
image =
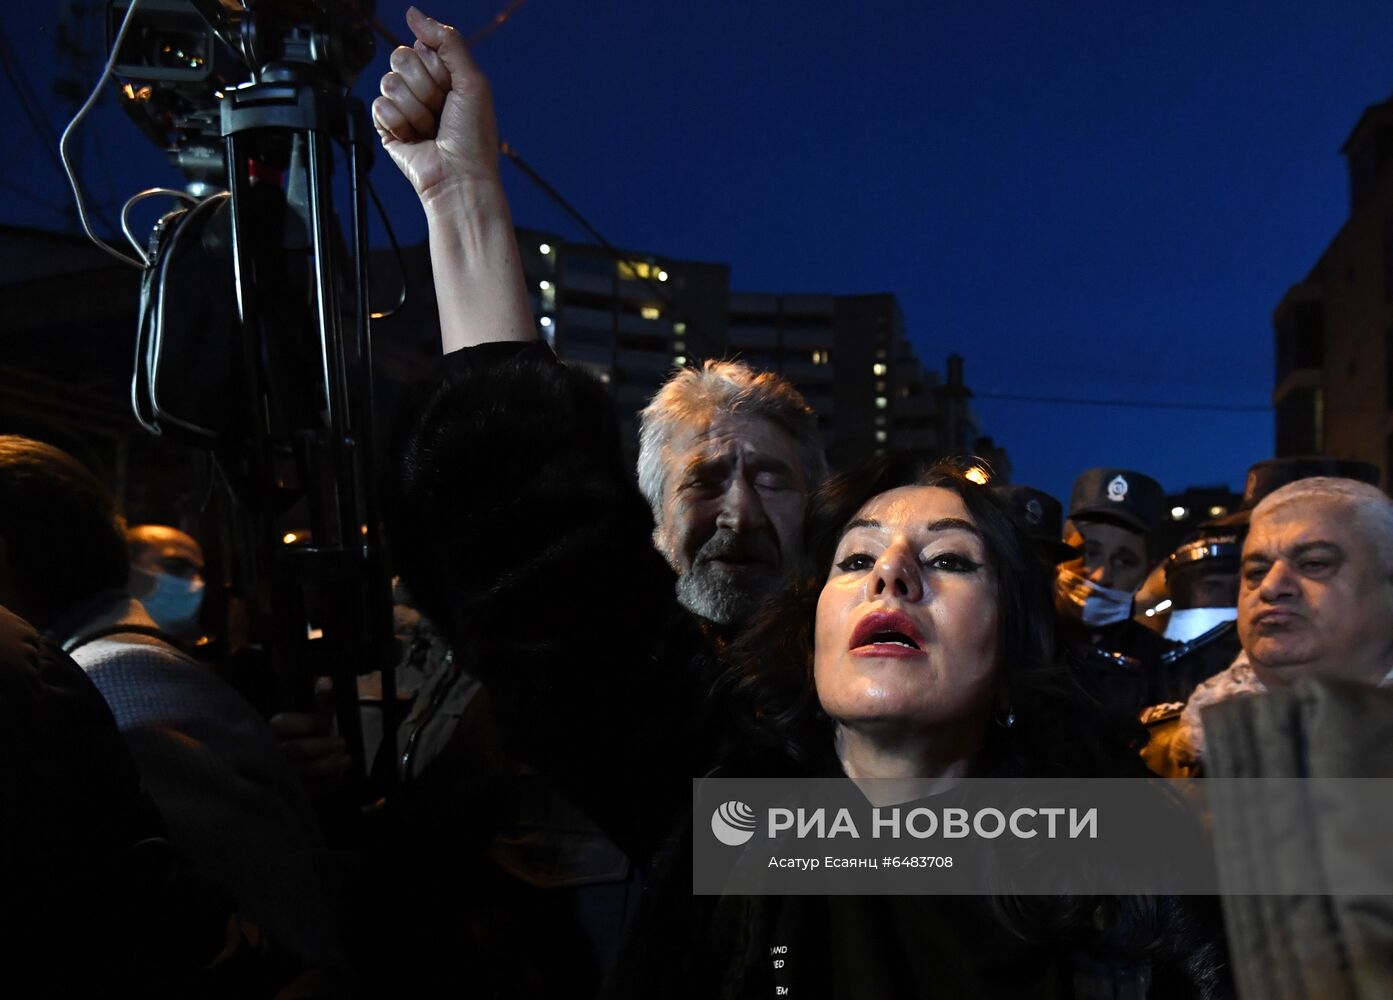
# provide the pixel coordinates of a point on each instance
(516, 522)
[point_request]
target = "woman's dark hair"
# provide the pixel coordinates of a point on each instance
(64, 540)
(1057, 730)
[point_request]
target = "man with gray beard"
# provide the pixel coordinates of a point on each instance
(727, 458)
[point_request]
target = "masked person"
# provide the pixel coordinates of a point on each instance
(167, 578)
(1174, 727)
(233, 809)
(1315, 616)
(1202, 580)
(518, 528)
(1111, 514)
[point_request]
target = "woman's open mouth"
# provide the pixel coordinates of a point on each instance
(887, 633)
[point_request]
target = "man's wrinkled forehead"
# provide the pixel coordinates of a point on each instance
(723, 437)
(1305, 522)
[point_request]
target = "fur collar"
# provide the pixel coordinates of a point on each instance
(1237, 681)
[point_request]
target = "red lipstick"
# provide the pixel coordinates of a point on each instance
(887, 633)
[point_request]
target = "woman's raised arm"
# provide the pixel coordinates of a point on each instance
(435, 117)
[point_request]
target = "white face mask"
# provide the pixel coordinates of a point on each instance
(1092, 604)
(1190, 623)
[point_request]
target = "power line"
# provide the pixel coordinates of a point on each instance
(571, 210)
(1140, 404)
(494, 24)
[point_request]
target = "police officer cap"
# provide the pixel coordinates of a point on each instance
(1041, 517)
(1271, 475)
(1213, 548)
(1122, 496)
(1274, 473)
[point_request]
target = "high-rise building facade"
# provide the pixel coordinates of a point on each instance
(1334, 329)
(632, 317)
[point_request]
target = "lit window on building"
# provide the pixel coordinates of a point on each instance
(635, 270)
(881, 436)
(977, 475)
(879, 368)
(679, 345)
(650, 312)
(821, 357)
(679, 328)
(1179, 513)
(881, 402)
(680, 360)
(662, 275)
(544, 249)
(1218, 510)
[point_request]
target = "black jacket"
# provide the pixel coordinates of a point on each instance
(517, 525)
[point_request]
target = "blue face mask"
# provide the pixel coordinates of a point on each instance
(174, 602)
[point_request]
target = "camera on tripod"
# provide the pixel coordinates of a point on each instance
(254, 338)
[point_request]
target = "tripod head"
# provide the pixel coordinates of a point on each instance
(181, 57)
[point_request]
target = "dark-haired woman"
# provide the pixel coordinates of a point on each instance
(919, 643)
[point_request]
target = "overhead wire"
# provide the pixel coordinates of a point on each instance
(1141, 404)
(556, 196)
(508, 11)
(496, 22)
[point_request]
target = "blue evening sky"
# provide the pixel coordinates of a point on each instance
(1084, 199)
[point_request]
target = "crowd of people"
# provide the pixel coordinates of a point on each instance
(586, 638)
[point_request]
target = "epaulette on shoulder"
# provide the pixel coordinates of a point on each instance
(1162, 712)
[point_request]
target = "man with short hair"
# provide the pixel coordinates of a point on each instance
(1202, 581)
(1315, 600)
(1111, 514)
(233, 808)
(167, 577)
(1112, 511)
(1316, 596)
(727, 457)
(1299, 713)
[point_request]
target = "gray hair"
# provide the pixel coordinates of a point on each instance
(1370, 506)
(696, 394)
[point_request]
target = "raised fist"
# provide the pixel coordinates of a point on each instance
(435, 115)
